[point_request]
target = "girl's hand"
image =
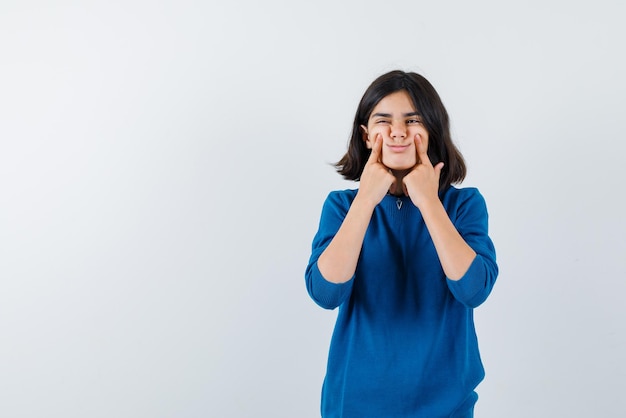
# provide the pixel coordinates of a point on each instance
(376, 179)
(421, 184)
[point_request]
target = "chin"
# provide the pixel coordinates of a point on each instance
(399, 165)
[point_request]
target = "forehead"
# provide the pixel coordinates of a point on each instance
(396, 102)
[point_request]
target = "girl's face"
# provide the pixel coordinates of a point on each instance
(397, 122)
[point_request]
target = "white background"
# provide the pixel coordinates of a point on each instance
(163, 166)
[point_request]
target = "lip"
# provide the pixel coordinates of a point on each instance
(398, 148)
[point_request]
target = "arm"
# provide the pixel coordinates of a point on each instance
(326, 294)
(463, 246)
(468, 212)
(338, 262)
(454, 253)
(422, 186)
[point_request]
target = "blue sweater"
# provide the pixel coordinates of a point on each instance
(404, 344)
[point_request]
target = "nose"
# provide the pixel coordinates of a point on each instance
(398, 130)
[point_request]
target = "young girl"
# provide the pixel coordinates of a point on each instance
(406, 257)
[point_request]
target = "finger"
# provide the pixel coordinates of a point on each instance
(422, 151)
(375, 155)
(438, 169)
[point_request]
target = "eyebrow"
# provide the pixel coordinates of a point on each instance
(388, 115)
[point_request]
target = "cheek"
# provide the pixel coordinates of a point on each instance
(416, 130)
(378, 129)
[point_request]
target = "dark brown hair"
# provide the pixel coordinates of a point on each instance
(434, 117)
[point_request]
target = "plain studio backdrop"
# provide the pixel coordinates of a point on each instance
(163, 165)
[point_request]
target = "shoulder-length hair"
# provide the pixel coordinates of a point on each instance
(434, 117)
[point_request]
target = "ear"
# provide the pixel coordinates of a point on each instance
(366, 138)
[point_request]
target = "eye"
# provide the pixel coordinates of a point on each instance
(381, 121)
(413, 121)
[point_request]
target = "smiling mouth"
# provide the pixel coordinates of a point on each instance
(398, 148)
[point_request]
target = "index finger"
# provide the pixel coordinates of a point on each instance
(422, 151)
(375, 155)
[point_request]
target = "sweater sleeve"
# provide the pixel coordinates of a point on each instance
(469, 215)
(326, 294)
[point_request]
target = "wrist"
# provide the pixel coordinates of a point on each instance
(363, 202)
(430, 205)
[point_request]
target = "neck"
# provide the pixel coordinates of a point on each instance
(397, 189)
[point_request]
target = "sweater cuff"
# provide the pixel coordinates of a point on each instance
(327, 294)
(470, 289)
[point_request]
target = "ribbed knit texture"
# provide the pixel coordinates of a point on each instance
(404, 343)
